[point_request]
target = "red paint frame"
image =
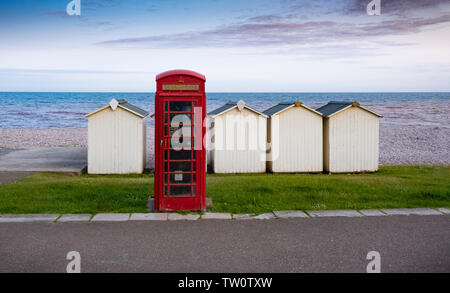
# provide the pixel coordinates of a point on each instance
(197, 202)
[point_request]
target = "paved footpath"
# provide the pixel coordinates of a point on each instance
(320, 244)
(44, 159)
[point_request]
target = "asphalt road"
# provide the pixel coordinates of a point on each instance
(405, 243)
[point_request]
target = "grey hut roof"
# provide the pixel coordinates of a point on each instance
(231, 105)
(122, 103)
(228, 106)
(278, 108)
(132, 108)
(286, 105)
(334, 107)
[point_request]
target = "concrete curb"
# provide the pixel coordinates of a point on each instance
(408, 212)
(74, 218)
(290, 214)
(335, 213)
(216, 216)
(189, 217)
(110, 217)
(29, 218)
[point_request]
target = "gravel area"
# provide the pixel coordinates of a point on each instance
(414, 145)
(20, 138)
(399, 144)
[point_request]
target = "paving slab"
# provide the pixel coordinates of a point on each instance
(266, 216)
(28, 218)
(408, 212)
(176, 216)
(45, 159)
(218, 216)
(444, 211)
(111, 218)
(372, 213)
(336, 213)
(242, 216)
(290, 214)
(149, 217)
(75, 218)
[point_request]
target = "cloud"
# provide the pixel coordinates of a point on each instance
(103, 23)
(269, 33)
(395, 7)
(99, 3)
(69, 71)
(265, 18)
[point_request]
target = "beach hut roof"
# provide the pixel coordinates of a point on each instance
(335, 107)
(232, 105)
(122, 103)
(283, 106)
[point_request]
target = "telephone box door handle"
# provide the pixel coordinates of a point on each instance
(161, 142)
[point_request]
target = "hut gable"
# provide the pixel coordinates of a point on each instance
(233, 105)
(283, 106)
(123, 104)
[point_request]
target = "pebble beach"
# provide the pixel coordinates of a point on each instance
(414, 129)
(399, 144)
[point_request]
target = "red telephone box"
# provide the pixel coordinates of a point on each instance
(180, 156)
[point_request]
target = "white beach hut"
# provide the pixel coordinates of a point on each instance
(351, 137)
(238, 139)
(294, 136)
(116, 139)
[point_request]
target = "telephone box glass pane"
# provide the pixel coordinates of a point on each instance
(180, 106)
(180, 166)
(177, 120)
(183, 190)
(180, 178)
(180, 130)
(180, 155)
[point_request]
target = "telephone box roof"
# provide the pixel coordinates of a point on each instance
(181, 72)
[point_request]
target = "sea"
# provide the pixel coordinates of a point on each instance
(52, 110)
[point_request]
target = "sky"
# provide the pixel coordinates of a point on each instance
(240, 46)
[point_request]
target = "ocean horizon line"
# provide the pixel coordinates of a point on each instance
(239, 92)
